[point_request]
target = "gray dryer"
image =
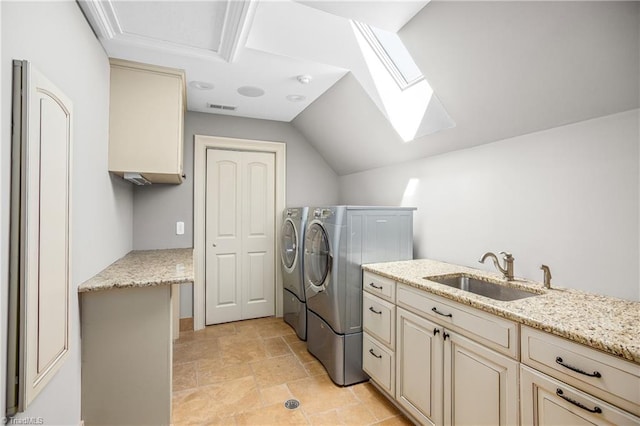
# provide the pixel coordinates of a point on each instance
(338, 241)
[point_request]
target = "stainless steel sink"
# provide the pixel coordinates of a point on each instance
(482, 287)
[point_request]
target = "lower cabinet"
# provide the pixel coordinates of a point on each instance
(419, 367)
(547, 401)
(445, 378)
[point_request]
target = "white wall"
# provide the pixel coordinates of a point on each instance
(157, 208)
(55, 37)
(567, 197)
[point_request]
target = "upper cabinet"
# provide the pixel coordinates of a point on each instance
(146, 121)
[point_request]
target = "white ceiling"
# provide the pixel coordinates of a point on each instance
(501, 69)
(235, 43)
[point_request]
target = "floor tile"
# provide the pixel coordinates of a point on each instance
(275, 371)
(184, 376)
(276, 346)
(275, 394)
(215, 371)
(377, 403)
(275, 414)
(243, 372)
(299, 348)
(318, 394)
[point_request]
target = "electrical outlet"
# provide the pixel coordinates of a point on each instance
(179, 228)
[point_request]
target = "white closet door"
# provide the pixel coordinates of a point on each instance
(240, 228)
(47, 232)
(258, 223)
(224, 239)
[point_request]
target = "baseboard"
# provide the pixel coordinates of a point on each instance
(186, 324)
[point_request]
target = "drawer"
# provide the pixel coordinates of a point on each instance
(494, 332)
(380, 286)
(379, 363)
(378, 319)
(618, 381)
(547, 401)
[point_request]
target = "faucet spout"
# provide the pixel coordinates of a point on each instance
(507, 269)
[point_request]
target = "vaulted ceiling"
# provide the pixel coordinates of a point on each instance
(500, 69)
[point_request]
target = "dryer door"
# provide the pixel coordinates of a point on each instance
(289, 245)
(317, 257)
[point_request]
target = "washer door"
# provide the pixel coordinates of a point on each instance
(317, 257)
(289, 246)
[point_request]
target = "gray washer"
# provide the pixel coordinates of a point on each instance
(338, 241)
(292, 257)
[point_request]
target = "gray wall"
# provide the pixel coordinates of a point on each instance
(157, 208)
(55, 37)
(566, 197)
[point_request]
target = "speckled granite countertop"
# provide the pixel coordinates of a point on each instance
(602, 322)
(143, 269)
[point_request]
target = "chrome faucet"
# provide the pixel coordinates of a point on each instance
(547, 276)
(507, 270)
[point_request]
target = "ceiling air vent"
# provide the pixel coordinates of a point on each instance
(222, 107)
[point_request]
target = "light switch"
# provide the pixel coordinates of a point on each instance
(179, 228)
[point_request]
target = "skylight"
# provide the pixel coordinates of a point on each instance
(393, 54)
(401, 91)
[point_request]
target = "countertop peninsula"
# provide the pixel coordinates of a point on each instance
(144, 268)
(606, 323)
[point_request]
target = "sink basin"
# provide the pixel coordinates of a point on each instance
(482, 287)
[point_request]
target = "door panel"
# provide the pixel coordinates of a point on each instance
(223, 290)
(481, 385)
(419, 367)
(53, 274)
(259, 234)
(240, 232)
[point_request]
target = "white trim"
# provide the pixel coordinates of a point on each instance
(202, 143)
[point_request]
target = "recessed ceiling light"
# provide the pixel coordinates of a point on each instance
(296, 98)
(201, 85)
(250, 91)
(304, 79)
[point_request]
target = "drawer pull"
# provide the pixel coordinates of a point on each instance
(595, 409)
(434, 309)
(375, 286)
(374, 354)
(374, 311)
(577, 370)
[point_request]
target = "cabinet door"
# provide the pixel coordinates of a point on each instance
(419, 367)
(547, 401)
(480, 385)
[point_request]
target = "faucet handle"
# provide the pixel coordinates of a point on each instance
(507, 255)
(546, 275)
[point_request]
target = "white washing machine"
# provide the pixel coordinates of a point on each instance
(292, 256)
(338, 241)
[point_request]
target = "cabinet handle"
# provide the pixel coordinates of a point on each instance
(434, 309)
(374, 311)
(435, 331)
(577, 370)
(445, 335)
(595, 409)
(374, 354)
(375, 286)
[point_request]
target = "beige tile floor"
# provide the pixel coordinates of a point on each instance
(241, 373)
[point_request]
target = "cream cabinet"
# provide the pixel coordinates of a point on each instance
(378, 323)
(419, 368)
(440, 361)
(446, 378)
(146, 121)
(563, 381)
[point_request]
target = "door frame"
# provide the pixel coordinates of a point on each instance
(201, 144)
